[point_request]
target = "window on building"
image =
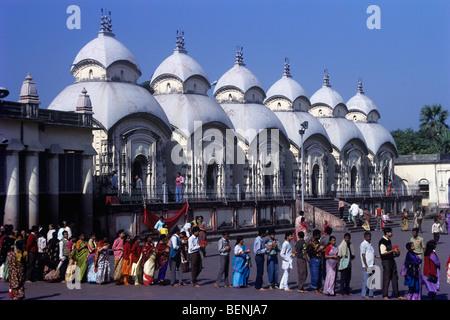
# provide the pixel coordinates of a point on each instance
(225, 218)
(70, 170)
(424, 188)
(265, 215)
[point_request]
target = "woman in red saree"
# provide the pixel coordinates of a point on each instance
(136, 268)
(126, 264)
(162, 258)
(148, 261)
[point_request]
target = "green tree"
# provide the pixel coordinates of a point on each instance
(432, 120)
(412, 142)
(444, 142)
(146, 85)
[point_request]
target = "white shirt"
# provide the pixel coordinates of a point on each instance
(41, 243)
(139, 184)
(61, 230)
(50, 234)
(61, 250)
(238, 249)
(186, 229)
(436, 228)
(366, 248)
(286, 255)
(193, 244)
(354, 209)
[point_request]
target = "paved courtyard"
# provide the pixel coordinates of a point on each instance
(58, 291)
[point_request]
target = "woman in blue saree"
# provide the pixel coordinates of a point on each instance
(412, 274)
(241, 264)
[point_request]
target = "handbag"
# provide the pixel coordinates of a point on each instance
(52, 275)
(431, 277)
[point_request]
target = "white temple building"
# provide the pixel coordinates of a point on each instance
(241, 144)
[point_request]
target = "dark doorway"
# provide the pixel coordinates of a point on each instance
(211, 180)
(140, 170)
(353, 176)
(268, 182)
(315, 181)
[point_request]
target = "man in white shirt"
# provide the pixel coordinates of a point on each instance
(138, 185)
(367, 253)
(41, 244)
(194, 255)
(63, 256)
(64, 227)
(286, 261)
(175, 257)
(354, 210)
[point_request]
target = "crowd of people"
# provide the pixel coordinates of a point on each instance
(57, 255)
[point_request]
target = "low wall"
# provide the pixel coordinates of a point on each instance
(316, 217)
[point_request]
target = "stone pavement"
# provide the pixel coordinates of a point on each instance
(58, 291)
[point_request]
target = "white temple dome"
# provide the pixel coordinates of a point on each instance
(361, 103)
(181, 65)
(105, 49)
(327, 95)
(341, 131)
(250, 118)
(111, 101)
(183, 110)
(286, 87)
(376, 135)
(238, 77)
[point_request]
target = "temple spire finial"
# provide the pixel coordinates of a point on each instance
(287, 68)
(360, 87)
(105, 21)
(239, 56)
(180, 44)
(326, 78)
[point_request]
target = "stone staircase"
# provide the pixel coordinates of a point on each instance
(330, 205)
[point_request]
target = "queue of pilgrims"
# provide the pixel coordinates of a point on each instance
(57, 255)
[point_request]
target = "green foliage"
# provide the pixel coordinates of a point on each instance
(146, 85)
(432, 137)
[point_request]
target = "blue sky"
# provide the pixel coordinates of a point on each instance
(404, 65)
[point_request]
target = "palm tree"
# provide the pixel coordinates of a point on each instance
(432, 120)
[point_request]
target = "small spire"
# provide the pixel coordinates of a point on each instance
(287, 68)
(28, 91)
(240, 56)
(360, 87)
(84, 102)
(180, 45)
(326, 78)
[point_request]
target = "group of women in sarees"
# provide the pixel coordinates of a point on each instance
(91, 259)
(136, 264)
